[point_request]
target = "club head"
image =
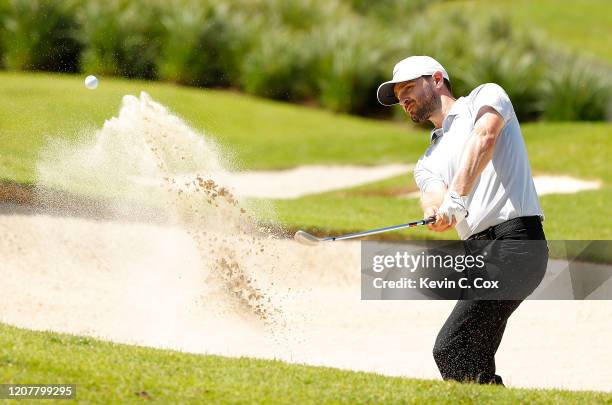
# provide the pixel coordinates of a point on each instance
(305, 238)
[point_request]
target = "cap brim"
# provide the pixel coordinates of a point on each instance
(385, 93)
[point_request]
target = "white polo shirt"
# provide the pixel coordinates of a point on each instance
(505, 188)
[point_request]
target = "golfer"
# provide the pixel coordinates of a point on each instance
(474, 177)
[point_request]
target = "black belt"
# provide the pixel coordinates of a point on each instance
(510, 225)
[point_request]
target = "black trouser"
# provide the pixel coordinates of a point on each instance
(466, 345)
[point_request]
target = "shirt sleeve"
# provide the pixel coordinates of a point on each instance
(425, 177)
(493, 95)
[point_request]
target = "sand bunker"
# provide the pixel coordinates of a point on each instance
(145, 284)
(205, 277)
(305, 180)
(563, 185)
(296, 182)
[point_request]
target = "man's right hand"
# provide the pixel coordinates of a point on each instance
(439, 225)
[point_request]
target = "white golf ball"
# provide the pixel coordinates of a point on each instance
(91, 82)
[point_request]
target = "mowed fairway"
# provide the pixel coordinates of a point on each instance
(262, 134)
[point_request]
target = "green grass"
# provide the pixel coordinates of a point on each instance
(112, 373)
(582, 26)
(267, 134)
(263, 134)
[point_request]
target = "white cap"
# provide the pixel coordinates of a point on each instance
(408, 69)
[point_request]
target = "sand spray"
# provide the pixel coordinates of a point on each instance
(148, 160)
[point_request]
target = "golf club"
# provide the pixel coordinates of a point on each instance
(308, 239)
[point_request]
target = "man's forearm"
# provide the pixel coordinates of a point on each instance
(476, 156)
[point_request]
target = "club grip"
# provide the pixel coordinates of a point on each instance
(429, 220)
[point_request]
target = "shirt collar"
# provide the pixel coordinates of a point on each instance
(436, 134)
(456, 109)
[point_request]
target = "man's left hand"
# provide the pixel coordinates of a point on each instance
(452, 210)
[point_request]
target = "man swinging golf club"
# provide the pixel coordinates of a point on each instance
(474, 177)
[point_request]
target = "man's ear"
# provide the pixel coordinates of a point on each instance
(438, 79)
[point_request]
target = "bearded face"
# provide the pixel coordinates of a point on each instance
(418, 98)
(426, 105)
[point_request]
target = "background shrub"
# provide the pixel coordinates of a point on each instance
(575, 92)
(4, 13)
(40, 35)
(121, 37)
(202, 44)
(283, 63)
(281, 66)
(518, 73)
(480, 53)
(350, 66)
(332, 53)
(390, 10)
(300, 15)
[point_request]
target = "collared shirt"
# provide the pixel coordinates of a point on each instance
(436, 133)
(505, 188)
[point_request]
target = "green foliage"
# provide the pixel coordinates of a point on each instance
(285, 61)
(330, 53)
(519, 73)
(578, 26)
(300, 15)
(280, 66)
(513, 60)
(338, 64)
(575, 92)
(202, 43)
(39, 35)
(349, 67)
(389, 10)
(4, 13)
(121, 37)
(488, 51)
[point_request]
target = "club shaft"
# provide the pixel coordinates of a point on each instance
(379, 230)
